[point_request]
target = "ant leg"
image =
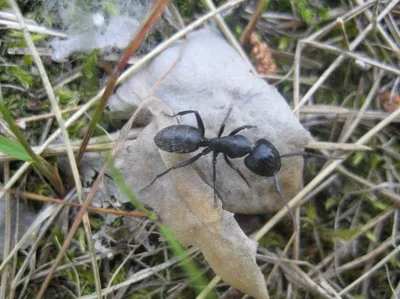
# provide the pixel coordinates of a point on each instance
(234, 132)
(181, 164)
(214, 162)
(200, 123)
(278, 190)
(222, 128)
(236, 169)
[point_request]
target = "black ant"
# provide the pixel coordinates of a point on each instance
(263, 159)
(187, 139)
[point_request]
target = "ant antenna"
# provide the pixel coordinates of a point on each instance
(307, 154)
(278, 190)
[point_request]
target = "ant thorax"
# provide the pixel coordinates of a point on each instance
(234, 146)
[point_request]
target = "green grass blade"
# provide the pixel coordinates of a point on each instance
(14, 149)
(192, 271)
(39, 163)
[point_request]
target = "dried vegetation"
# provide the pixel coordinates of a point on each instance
(336, 63)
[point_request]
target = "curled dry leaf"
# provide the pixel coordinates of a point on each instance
(186, 204)
(390, 104)
(262, 55)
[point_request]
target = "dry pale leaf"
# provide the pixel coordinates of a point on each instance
(186, 203)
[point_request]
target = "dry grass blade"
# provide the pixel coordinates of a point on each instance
(123, 77)
(386, 192)
(350, 203)
(318, 145)
(370, 97)
(45, 168)
(336, 50)
(142, 274)
(378, 265)
(7, 274)
(339, 113)
(362, 230)
(33, 28)
(381, 30)
(25, 120)
(85, 206)
(229, 35)
(122, 137)
(361, 36)
(46, 221)
(60, 120)
(130, 50)
(33, 196)
(45, 214)
(365, 258)
(357, 10)
(61, 150)
(322, 175)
(68, 239)
(96, 144)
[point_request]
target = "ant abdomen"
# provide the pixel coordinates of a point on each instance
(179, 139)
(264, 159)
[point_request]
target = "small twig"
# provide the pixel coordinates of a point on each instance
(393, 28)
(308, 63)
(69, 262)
(279, 259)
(34, 196)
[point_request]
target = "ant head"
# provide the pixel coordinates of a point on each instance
(264, 159)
